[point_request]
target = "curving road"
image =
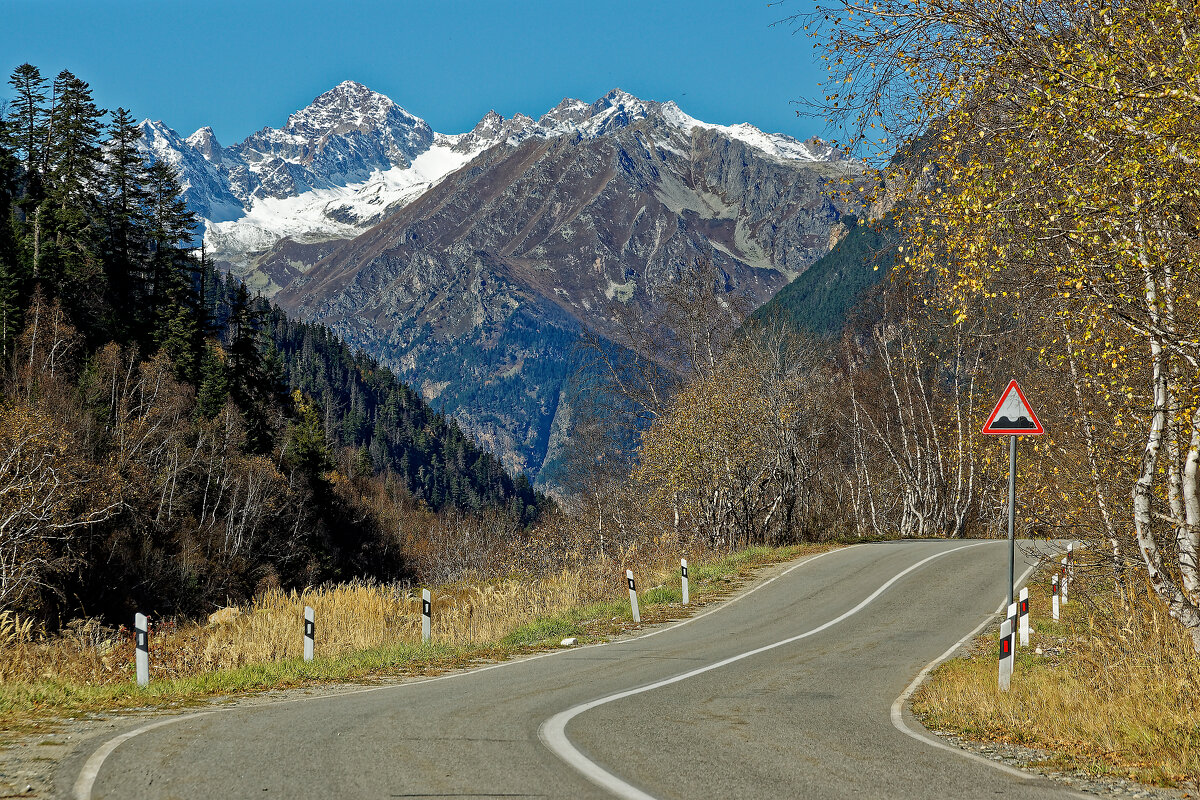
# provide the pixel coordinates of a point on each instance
(785, 692)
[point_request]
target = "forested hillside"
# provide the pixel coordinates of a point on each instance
(169, 440)
(820, 298)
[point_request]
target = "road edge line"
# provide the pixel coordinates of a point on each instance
(553, 731)
(897, 711)
(83, 788)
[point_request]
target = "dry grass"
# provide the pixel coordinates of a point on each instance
(350, 617)
(363, 630)
(1116, 691)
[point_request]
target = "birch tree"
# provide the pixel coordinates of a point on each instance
(1062, 170)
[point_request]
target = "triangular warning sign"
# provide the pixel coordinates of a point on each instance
(1013, 415)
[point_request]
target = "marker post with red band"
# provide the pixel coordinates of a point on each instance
(1054, 597)
(637, 616)
(1006, 655)
(1012, 619)
(1012, 417)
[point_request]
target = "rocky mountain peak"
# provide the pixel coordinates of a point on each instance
(205, 141)
(350, 106)
(493, 129)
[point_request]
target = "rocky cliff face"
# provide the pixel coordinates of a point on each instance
(470, 263)
(476, 291)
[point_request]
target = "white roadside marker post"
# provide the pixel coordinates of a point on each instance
(637, 617)
(310, 632)
(1065, 583)
(1054, 598)
(683, 567)
(426, 615)
(1023, 610)
(141, 630)
(1006, 655)
(1070, 562)
(1012, 618)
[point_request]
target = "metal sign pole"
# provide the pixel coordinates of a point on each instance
(1012, 417)
(1012, 515)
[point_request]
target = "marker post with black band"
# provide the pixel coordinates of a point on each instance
(1006, 655)
(1012, 618)
(1023, 611)
(310, 633)
(1012, 417)
(141, 630)
(683, 569)
(633, 604)
(426, 616)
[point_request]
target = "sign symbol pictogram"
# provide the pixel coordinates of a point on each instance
(1013, 415)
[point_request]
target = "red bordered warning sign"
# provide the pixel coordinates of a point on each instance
(1013, 415)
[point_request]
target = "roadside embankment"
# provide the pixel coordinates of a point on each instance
(365, 632)
(1110, 690)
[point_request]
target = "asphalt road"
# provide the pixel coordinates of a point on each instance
(808, 715)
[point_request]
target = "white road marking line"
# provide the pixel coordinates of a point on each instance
(898, 706)
(91, 768)
(553, 731)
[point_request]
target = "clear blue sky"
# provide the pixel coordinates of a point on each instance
(240, 66)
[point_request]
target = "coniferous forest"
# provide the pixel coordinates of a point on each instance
(169, 441)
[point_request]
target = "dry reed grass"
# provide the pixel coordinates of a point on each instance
(1116, 692)
(350, 617)
(363, 630)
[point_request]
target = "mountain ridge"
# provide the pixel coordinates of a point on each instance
(342, 162)
(473, 265)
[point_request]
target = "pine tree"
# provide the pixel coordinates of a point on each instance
(205, 279)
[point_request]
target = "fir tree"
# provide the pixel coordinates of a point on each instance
(26, 131)
(125, 175)
(10, 273)
(213, 389)
(249, 379)
(29, 116)
(170, 288)
(71, 261)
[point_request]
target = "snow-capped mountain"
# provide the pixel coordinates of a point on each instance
(352, 156)
(471, 262)
(206, 180)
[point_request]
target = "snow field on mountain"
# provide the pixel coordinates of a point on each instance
(318, 215)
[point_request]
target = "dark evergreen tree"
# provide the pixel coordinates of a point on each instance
(70, 261)
(25, 134)
(29, 117)
(10, 274)
(213, 388)
(171, 290)
(250, 378)
(125, 174)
